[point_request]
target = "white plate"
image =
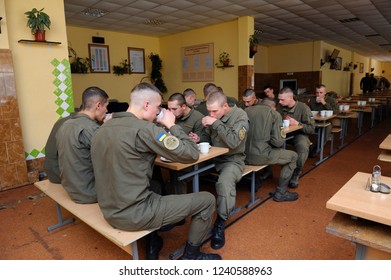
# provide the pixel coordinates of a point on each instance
(165, 160)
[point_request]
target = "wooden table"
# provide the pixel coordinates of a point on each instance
(356, 201)
(321, 124)
(360, 111)
(176, 166)
(385, 155)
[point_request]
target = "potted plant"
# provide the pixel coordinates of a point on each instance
(224, 59)
(78, 64)
(36, 21)
(122, 68)
(156, 75)
(253, 45)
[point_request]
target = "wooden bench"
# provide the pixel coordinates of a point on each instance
(385, 155)
(372, 239)
(92, 216)
(334, 130)
(247, 170)
(252, 169)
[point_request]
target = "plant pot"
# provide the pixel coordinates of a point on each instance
(226, 63)
(253, 50)
(40, 36)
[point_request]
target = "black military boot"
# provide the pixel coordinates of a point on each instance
(287, 196)
(193, 253)
(294, 182)
(154, 245)
(218, 237)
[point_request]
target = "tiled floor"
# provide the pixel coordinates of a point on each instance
(271, 230)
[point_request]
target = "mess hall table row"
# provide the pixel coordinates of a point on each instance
(365, 218)
(176, 166)
(321, 124)
(385, 155)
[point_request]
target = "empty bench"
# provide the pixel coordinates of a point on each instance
(92, 216)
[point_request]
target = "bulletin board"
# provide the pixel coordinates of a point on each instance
(197, 63)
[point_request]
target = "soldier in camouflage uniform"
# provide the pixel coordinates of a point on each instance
(208, 89)
(225, 127)
(298, 113)
(191, 122)
(73, 141)
(323, 102)
(50, 165)
(248, 99)
(263, 146)
(123, 153)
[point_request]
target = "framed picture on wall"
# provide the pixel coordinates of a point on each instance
(361, 68)
(136, 60)
(99, 58)
(337, 64)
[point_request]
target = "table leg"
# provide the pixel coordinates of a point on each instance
(195, 173)
(373, 114)
(318, 140)
(360, 120)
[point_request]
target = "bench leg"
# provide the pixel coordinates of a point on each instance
(134, 250)
(60, 220)
(253, 199)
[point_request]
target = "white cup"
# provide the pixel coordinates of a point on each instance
(286, 123)
(346, 107)
(323, 113)
(161, 113)
(329, 113)
(341, 107)
(204, 147)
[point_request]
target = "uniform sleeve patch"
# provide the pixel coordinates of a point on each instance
(242, 133)
(161, 136)
(171, 142)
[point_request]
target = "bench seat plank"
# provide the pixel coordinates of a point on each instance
(92, 216)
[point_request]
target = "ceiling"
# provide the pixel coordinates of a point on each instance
(363, 26)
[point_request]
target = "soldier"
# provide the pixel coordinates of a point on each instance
(208, 89)
(50, 165)
(269, 92)
(322, 101)
(191, 122)
(319, 103)
(263, 146)
(73, 141)
(298, 113)
(123, 154)
(190, 97)
(225, 127)
(248, 99)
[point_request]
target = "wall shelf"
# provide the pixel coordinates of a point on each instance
(228, 66)
(23, 41)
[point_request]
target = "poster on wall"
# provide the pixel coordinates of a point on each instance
(197, 63)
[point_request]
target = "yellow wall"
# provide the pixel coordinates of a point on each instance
(33, 68)
(306, 57)
(4, 32)
(225, 38)
(261, 60)
(293, 58)
(117, 87)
